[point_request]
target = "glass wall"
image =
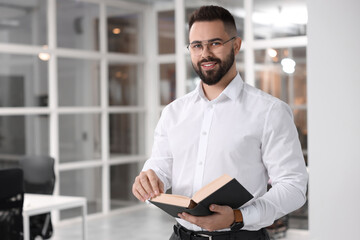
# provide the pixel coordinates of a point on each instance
(68, 90)
(279, 19)
(281, 71)
(23, 22)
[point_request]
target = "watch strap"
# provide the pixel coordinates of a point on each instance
(238, 216)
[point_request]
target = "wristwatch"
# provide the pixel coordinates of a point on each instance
(238, 222)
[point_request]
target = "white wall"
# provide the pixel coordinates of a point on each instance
(334, 119)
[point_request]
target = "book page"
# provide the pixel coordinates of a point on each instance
(211, 187)
(172, 200)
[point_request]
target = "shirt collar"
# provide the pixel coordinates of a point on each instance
(232, 91)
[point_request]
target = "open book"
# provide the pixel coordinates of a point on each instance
(222, 191)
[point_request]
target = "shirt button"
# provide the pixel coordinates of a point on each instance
(204, 133)
(200, 163)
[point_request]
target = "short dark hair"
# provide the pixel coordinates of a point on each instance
(213, 13)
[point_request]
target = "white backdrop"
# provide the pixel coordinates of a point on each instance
(334, 119)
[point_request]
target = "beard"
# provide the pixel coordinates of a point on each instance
(212, 77)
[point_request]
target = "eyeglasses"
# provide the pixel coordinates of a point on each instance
(214, 45)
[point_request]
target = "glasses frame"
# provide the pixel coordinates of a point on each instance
(207, 44)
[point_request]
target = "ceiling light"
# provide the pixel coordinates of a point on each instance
(272, 52)
(288, 65)
(43, 55)
(116, 30)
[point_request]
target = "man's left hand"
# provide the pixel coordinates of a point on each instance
(222, 218)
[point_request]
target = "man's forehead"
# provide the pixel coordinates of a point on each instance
(206, 30)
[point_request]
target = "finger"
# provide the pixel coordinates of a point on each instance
(155, 182)
(145, 184)
(217, 208)
(139, 188)
(138, 195)
(190, 218)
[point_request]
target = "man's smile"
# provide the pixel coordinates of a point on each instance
(208, 65)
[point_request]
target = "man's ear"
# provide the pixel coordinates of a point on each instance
(237, 44)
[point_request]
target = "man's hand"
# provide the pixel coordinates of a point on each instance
(147, 185)
(222, 218)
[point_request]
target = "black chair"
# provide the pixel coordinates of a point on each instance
(11, 204)
(39, 178)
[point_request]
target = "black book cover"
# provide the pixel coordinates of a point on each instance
(231, 194)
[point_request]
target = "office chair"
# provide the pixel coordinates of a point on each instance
(39, 178)
(11, 204)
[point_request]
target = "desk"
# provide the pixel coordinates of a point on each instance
(35, 204)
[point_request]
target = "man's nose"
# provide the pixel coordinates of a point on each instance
(205, 51)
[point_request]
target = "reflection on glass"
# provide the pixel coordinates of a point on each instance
(283, 19)
(167, 83)
(300, 76)
(23, 81)
(123, 31)
(126, 134)
(23, 22)
(77, 25)
(80, 137)
(166, 31)
(121, 180)
(124, 86)
(81, 183)
(273, 77)
(78, 82)
(300, 118)
(273, 82)
(22, 135)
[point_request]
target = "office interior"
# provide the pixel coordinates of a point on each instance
(85, 81)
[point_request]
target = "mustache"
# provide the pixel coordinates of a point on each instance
(210, 59)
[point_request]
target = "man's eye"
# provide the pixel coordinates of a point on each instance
(196, 46)
(215, 44)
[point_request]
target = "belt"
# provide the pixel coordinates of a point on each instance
(186, 234)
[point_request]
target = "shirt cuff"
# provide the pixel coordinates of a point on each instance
(251, 216)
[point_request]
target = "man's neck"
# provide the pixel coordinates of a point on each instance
(213, 91)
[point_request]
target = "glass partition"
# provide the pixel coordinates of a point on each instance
(23, 81)
(167, 83)
(166, 32)
(78, 82)
(280, 19)
(23, 22)
(121, 180)
(82, 183)
(126, 134)
(123, 31)
(124, 85)
(22, 135)
(79, 137)
(77, 24)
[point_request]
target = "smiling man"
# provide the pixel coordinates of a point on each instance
(225, 126)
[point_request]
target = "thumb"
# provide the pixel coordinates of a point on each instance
(217, 208)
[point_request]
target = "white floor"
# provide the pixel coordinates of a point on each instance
(139, 223)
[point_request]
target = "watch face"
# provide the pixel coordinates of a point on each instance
(237, 226)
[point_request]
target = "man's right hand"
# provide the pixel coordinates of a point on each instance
(147, 185)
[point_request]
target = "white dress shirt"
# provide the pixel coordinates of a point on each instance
(244, 133)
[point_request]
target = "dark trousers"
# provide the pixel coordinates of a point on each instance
(181, 233)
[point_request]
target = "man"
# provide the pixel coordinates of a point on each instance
(225, 126)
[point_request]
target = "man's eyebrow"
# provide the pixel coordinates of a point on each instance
(210, 40)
